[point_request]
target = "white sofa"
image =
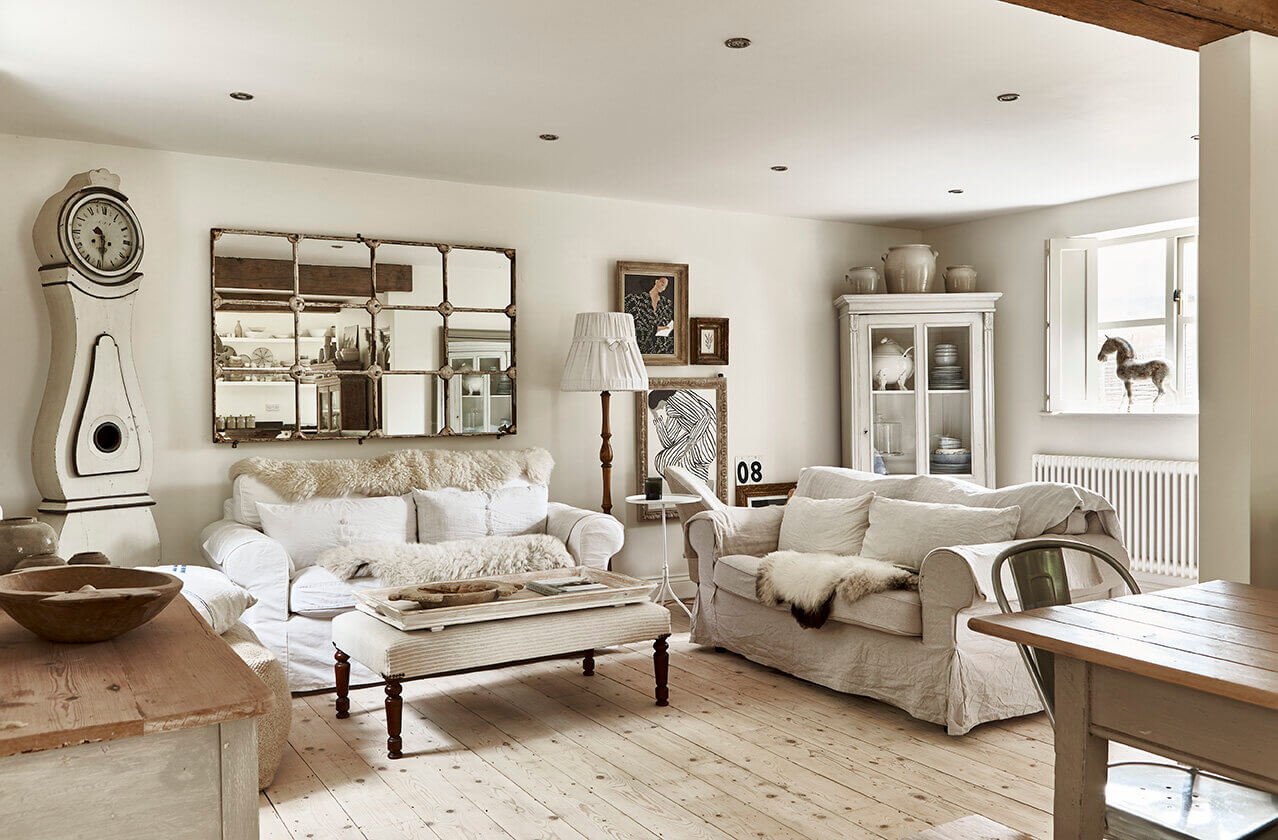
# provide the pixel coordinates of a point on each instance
(296, 606)
(910, 649)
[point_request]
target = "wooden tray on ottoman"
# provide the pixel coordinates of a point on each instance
(405, 615)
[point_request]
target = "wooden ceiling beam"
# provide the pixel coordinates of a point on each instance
(1182, 23)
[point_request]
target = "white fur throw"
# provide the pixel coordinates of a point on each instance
(398, 472)
(809, 583)
(401, 564)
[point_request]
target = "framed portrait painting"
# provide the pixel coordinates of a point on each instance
(656, 294)
(683, 422)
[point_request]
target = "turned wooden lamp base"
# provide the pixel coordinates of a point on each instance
(605, 451)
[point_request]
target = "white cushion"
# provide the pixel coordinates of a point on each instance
(317, 593)
(904, 532)
(825, 526)
(246, 492)
(897, 611)
(217, 599)
(307, 528)
(449, 514)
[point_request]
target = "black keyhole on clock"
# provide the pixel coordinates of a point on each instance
(107, 437)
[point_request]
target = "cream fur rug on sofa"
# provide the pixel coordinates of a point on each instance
(398, 472)
(809, 583)
(401, 564)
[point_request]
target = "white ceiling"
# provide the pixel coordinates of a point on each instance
(877, 107)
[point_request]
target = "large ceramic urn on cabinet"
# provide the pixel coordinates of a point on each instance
(917, 383)
(91, 453)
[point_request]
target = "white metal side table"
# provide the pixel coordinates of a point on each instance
(665, 503)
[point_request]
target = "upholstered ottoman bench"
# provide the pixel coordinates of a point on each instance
(398, 655)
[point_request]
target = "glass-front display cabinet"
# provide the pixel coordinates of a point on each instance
(917, 384)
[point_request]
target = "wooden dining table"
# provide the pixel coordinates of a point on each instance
(1189, 673)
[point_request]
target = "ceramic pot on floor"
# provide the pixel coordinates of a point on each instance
(910, 269)
(960, 278)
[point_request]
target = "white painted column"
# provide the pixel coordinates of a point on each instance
(1238, 338)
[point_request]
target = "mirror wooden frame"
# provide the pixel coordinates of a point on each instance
(281, 286)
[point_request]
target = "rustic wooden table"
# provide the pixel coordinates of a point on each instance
(149, 735)
(1189, 673)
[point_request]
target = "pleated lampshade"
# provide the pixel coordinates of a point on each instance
(604, 355)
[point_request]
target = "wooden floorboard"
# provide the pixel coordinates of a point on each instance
(541, 751)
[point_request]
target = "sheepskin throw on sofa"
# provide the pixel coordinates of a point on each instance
(809, 583)
(398, 472)
(401, 564)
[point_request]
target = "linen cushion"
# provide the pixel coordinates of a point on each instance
(318, 593)
(904, 532)
(897, 611)
(825, 526)
(450, 514)
(217, 599)
(246, 492)
(307, 528)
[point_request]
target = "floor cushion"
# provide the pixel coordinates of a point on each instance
(316, 592)
(897, 611)
(272, 727)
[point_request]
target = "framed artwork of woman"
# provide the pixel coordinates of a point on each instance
(683, 422)
(656, 294)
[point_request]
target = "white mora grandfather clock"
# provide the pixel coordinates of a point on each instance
(91, 453)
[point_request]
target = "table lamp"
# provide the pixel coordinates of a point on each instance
(604, 357)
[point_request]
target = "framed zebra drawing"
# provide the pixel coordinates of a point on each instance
(683, 421)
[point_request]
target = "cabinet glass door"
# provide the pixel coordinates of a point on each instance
(893, 400)
(946, 376)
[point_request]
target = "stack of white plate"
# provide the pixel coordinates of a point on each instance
(950, 457)
(946, 374)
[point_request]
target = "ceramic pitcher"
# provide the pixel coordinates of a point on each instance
(910, 269)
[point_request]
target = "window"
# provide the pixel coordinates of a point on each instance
(1138, 286)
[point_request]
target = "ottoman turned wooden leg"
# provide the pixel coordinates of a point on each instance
(588, 663)
(342, 679)
(394, 715)
(661, 669)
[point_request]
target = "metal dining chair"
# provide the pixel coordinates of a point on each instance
(1144, 800)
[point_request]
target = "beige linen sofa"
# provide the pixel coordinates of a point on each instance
(910, 649)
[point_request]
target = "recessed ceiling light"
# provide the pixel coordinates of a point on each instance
(241, 96)
(737, 43)
(338, 246)
(1008, 97)
(956, 191)
(1195, 137)
(779, 168)
(549, 138)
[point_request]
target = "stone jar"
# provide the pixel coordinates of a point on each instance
(960, 278)
(864, 280)
(25, 538)
(910, 269)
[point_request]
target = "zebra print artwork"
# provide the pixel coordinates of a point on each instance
(683, 423)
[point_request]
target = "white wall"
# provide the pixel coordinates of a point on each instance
(1008, 251)
(774, 277)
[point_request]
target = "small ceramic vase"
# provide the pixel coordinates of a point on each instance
(25, 538)
(89, 558)
(960, 278)
(910, 269)
(864, 280)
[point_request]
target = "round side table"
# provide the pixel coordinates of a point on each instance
(665, 503)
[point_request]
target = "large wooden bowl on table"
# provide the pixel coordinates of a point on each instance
(53, 603)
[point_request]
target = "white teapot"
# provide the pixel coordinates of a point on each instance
(889, 363)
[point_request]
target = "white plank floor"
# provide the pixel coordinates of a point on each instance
(540, 751)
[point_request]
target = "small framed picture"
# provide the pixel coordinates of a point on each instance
(656, 294)
(765, 495)
(709, 341)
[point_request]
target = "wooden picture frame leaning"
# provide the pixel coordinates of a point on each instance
(777, 493)
(718, 353)
(690, 420)
(667, 283)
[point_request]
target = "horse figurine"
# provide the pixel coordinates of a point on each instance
(1129, 370)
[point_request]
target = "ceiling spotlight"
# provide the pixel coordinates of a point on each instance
(956, 191)
(549, 138)
(1195, 137)
(780, 168)
(1008, 97)
(737, 43)
(241, 96)
(337, 246)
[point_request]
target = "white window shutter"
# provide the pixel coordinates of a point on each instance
(1072, 377)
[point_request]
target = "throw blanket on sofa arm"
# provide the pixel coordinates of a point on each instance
(401, 564)
(809, 583)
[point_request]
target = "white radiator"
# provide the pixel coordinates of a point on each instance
(1157, 503)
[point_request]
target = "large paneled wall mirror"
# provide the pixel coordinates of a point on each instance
(346, 337)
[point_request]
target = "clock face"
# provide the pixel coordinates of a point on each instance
(104, 234)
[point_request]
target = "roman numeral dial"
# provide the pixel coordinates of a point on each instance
(104, 234)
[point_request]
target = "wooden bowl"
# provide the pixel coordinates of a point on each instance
(49, 601)
(456, 593)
